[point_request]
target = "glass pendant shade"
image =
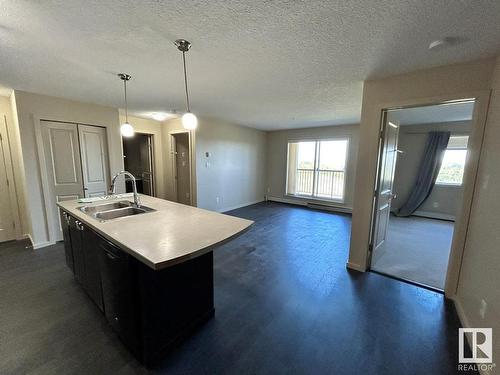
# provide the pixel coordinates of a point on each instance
(127, 130)
(189, 121)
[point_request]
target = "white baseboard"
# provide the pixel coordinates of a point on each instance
(225, 209)
(434, 215)
(355, 267)
(464, 321)
(460, 312)
(306, 203)
(39, 245)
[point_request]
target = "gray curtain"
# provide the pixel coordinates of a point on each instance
(427, 173)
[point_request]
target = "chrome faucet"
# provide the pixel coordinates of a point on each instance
(137, 200)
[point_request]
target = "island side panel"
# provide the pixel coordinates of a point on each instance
(174, 302)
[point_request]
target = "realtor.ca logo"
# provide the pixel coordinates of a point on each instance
(481, 346)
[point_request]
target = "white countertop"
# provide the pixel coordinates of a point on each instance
(170, 235)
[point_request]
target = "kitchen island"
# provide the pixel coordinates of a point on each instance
(151, 274)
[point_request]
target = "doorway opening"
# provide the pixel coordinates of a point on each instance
(419, 190)
(181, 167)
(138, 160)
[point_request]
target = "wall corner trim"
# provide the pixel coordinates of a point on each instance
(355, 267)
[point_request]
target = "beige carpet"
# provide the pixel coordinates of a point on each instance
(416, 249)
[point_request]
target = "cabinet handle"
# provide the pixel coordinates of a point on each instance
(78, 225)
(110, 256)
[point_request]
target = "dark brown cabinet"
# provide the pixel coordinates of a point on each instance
(68, 251)
(82, 256)
(150, 310)
(75, 238)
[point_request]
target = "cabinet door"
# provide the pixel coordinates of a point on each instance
(119, 288)
(92, 279)
(68, 251)
(75, 234)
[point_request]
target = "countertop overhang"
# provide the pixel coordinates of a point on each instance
(170, 235)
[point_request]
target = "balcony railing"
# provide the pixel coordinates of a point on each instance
(321, 183)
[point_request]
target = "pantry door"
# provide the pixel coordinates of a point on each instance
(64, 170)
(94, 153)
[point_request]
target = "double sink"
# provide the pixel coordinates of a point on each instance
(114, 210)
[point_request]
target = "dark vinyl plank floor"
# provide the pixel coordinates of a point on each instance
(284, 301)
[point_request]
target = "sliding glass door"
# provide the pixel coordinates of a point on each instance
(317, 168)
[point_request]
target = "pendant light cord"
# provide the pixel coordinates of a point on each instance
(126, 109)
(186, 80)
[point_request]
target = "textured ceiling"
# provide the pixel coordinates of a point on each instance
(433, 114)
(268, 64)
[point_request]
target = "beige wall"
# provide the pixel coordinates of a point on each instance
(477, 271)
(480, 273)
(155, 128)
(422, 87)
(233, 175)
(30, 109)
(444, 201)
(277, 142)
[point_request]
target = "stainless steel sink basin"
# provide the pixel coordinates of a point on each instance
(90, 210)
(121, 212)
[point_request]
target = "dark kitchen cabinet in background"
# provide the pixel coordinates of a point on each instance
(68, 251)
(75, 236)
(84, 243)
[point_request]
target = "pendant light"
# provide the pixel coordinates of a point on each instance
(189, 120)
(126, 129)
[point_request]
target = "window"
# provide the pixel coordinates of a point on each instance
(317, 168)
(452, 168)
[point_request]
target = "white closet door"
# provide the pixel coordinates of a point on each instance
(94, 152)
(64, 171)
(7, 231)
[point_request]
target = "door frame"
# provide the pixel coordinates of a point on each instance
(478, 123)
(152, 150)
(384, 123)
(49, 209)
(192, 171)
(11, 182)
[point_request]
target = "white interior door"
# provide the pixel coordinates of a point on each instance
(182, 168)
(64, 171)
(385, 183)
(7, 228)
(94, 154)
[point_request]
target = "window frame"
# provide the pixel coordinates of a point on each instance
(454, 184)
(346, 138)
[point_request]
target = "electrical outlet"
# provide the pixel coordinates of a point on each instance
(435, 204)
(482, 309)
(268, 189)
(217, 200)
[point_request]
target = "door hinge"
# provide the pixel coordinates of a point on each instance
(8, 183)
(14, 224)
